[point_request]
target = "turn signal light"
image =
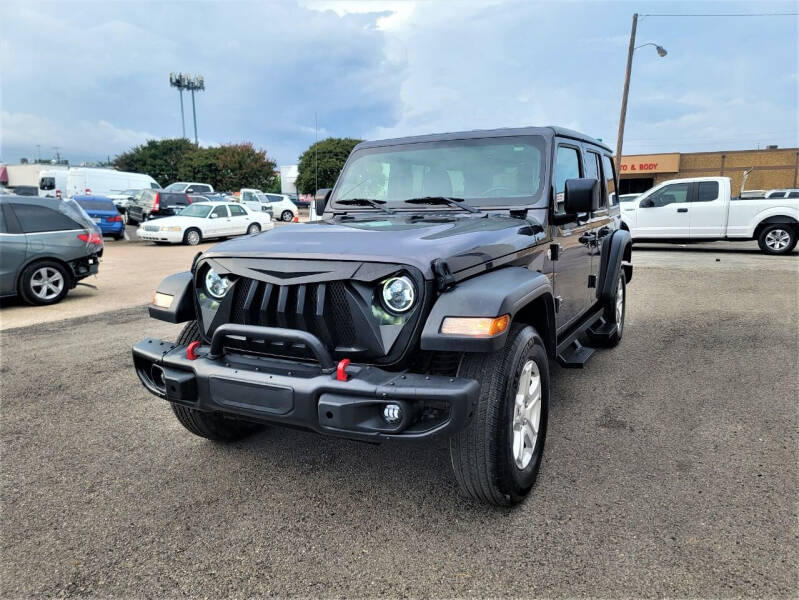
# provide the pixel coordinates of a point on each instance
(475, 326)
(162, 300)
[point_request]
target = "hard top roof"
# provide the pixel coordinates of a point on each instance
(547, 131)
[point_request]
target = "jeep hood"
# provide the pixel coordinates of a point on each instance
(463, 241)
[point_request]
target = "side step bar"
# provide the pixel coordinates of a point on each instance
(571, 353)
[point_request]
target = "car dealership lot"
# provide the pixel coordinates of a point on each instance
(670, 466)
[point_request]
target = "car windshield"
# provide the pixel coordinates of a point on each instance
(196, 210)
(497, 171)
(175, 187)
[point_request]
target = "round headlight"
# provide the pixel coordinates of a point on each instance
(399, 294)
(215, 285)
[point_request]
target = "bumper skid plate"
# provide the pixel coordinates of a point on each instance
(306, 394)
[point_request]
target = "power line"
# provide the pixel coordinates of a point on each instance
(728, 15)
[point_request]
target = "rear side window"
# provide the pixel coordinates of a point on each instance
(708, 191)
(609, 171)
(793, 195)
(34, 219)
(47, 183)
(274, 198)
(237, 211)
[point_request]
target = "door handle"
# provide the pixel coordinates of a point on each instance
(682, 210)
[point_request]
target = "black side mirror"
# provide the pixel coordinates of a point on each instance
(581, 195)
(320, 200)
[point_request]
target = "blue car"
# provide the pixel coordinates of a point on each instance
(103, 212)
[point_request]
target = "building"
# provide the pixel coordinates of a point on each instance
(771, 168)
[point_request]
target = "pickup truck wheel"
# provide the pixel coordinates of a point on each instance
(615, 311)
(213, 426)
(192, 237)
(497, 457)
(777, 239)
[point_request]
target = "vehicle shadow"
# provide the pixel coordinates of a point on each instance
(643, 247)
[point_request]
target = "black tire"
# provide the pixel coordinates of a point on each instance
(119, 236)
(482, 454)
(253, 229)
(611, 313)
(212, 426)
(129, 220)
(190, 239)
(773, 238)
(286, 216)
(38, 271)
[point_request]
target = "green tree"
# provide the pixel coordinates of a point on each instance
(321, 164)
(229, 168)
(159, 159)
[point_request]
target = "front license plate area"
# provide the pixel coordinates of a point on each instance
(269, 399)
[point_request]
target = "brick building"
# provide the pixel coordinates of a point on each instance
(771, 168)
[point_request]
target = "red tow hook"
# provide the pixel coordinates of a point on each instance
(341, 369)
(191, 350)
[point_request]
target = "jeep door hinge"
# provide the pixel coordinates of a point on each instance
(445, 280)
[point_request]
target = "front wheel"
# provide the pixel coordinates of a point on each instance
(287, 216)
(212, 426)
(192, 237)
(777, 239)
(497, 457)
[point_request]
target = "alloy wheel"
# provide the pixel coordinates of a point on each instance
(620, 305)
(47, 283)
(778, 239)
(526, 415)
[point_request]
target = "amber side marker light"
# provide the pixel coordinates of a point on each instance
(162, 300)
(475, 326)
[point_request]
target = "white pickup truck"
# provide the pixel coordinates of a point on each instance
(703, 209)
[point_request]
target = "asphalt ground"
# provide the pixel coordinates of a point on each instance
(670, 469)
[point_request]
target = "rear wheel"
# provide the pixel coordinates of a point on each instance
(287, 216)
(615, 311)
(129, 220)
(497, 457)
(777, 239)
(192, 237)
(44, 282)
(213, 426)
(253, 229)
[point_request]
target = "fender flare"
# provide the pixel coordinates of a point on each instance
(180, 286)
(505, 291)
(615, 249)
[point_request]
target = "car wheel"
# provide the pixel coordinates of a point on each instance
(45, 282)
(210, 425)
(497, 457)
(129, 220)
(615, 311)
(192, 237)
(777, 239)
(253, 229)
(287, 216)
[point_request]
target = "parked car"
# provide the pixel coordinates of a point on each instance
(701, 209)
(204, 220)
(91, 181)
(278, 205)
(447, 273)
(124, 197)
(46, 248)
(774, 194)
(188, 187)
(103, 212)
(154, 204)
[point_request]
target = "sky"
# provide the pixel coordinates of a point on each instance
(92, 78)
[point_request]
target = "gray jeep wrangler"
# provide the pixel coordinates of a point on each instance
(445, 274)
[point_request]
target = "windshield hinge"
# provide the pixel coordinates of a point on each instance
(445, 280)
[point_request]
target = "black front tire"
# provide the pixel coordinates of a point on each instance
(482, 454)
(777, 239)
(192, 237)
(209, 425)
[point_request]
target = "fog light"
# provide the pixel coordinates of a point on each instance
(392, 414)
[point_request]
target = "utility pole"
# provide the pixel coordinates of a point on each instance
(623, 116)
(183, 81)
(182, 118)
(194, 113)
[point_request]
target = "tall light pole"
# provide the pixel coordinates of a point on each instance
(183, 81)
(630, 50)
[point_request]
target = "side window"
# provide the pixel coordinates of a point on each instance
(567, 166)
(237, 211)
(219, 211)
(33, 219)
(191, 189)
(609, 171)
(592, 169)
(47, 183)
(793, 194)
(202, 188)
(274, 198)
(154, 186)
(708, 191)
(247, 196)
(671, 194)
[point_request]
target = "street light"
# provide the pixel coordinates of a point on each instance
(183, 81)
(632, 48)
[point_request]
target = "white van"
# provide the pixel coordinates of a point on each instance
(53, 183)
(98, 182)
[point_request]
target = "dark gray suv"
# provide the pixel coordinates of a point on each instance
(47, 245)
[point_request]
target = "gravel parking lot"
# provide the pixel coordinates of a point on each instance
(670, 467)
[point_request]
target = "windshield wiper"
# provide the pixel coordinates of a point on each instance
(367, 202)
(456, 202)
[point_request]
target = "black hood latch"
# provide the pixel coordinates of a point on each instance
(445, 280)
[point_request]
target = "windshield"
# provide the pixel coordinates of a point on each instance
(196, 210)
(488, 171)
(175, 187)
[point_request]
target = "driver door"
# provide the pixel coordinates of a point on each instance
(664, 214)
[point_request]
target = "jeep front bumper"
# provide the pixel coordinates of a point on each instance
(307, 395)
